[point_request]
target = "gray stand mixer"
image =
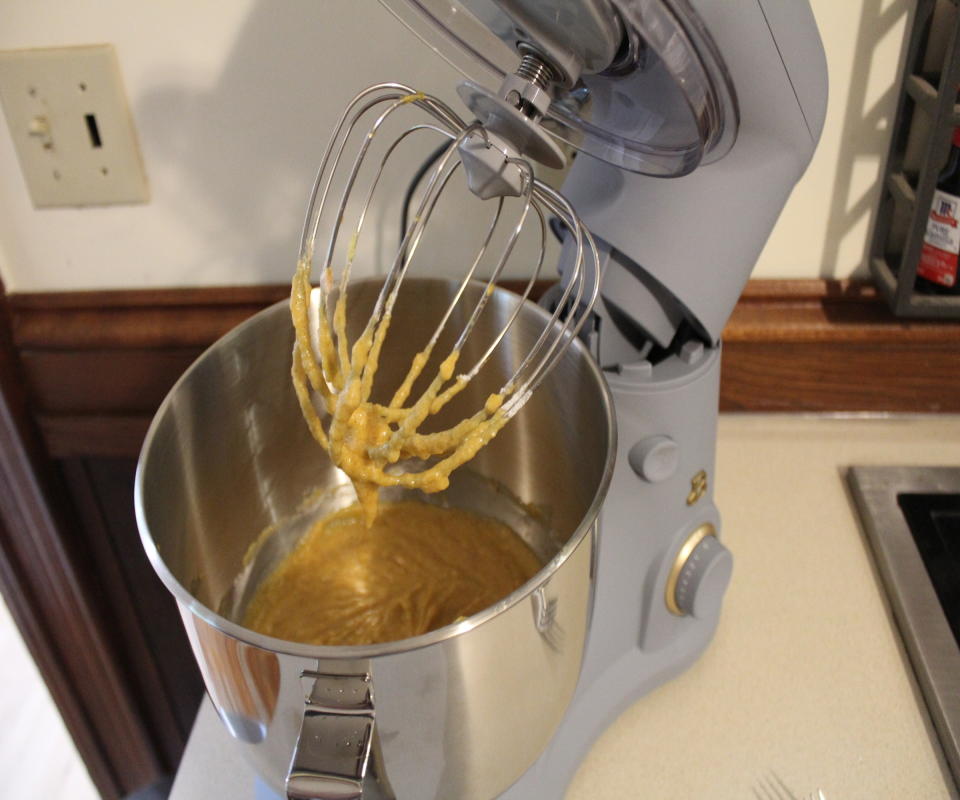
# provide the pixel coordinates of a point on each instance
(698, 119)
(679, 252)
(692, 121)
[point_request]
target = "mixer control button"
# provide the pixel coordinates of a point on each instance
(700, 575)
(655, 458)
(637, 370)
(691, 352)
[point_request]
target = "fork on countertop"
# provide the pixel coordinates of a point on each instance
(772, 787)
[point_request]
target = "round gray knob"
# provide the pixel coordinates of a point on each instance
(704, 578)
(655, 458)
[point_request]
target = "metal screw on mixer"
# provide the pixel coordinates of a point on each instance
(528, 89)
(535, 70)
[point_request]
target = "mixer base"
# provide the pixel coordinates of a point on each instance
(594, 709)
(635, 644)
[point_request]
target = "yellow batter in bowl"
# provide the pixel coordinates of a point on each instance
(418, 567)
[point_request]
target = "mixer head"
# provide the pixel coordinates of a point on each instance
(639, 84)
(375, 136)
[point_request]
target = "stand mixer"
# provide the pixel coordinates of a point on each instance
(697, 119)
(693, 120)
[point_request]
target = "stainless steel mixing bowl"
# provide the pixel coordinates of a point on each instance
(460, 712)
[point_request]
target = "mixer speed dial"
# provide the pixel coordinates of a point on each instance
(700, 575)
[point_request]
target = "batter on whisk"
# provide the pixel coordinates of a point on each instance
(363, 437)
(334, 378)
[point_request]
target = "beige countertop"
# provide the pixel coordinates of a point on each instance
(806, 678)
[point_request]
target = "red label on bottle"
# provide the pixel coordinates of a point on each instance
(941, 243)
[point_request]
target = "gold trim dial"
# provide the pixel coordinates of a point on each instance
(680, 560)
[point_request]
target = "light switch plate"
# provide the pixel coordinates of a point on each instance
(71, 126)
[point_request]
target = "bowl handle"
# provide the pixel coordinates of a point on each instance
(333, 749)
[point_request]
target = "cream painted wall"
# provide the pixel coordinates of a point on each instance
(233, 100)
(825, 227)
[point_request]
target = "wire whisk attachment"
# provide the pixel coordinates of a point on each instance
(383, 443)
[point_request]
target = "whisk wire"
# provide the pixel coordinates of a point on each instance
(524, 295)
(433, 395)
(420, 359)
(431, 399)
(398, 269)
(323, 358)
(570, 325)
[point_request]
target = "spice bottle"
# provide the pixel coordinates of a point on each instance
(937, 271)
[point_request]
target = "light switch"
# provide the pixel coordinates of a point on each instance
(71, 126)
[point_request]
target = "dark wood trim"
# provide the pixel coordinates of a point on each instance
(146, 318)
(153, 644)
(93, 435)
(833, 346)
(97, 364)
(826, 310)
(46, 581)
(113, 381)
(183, 297)
(127, 319)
